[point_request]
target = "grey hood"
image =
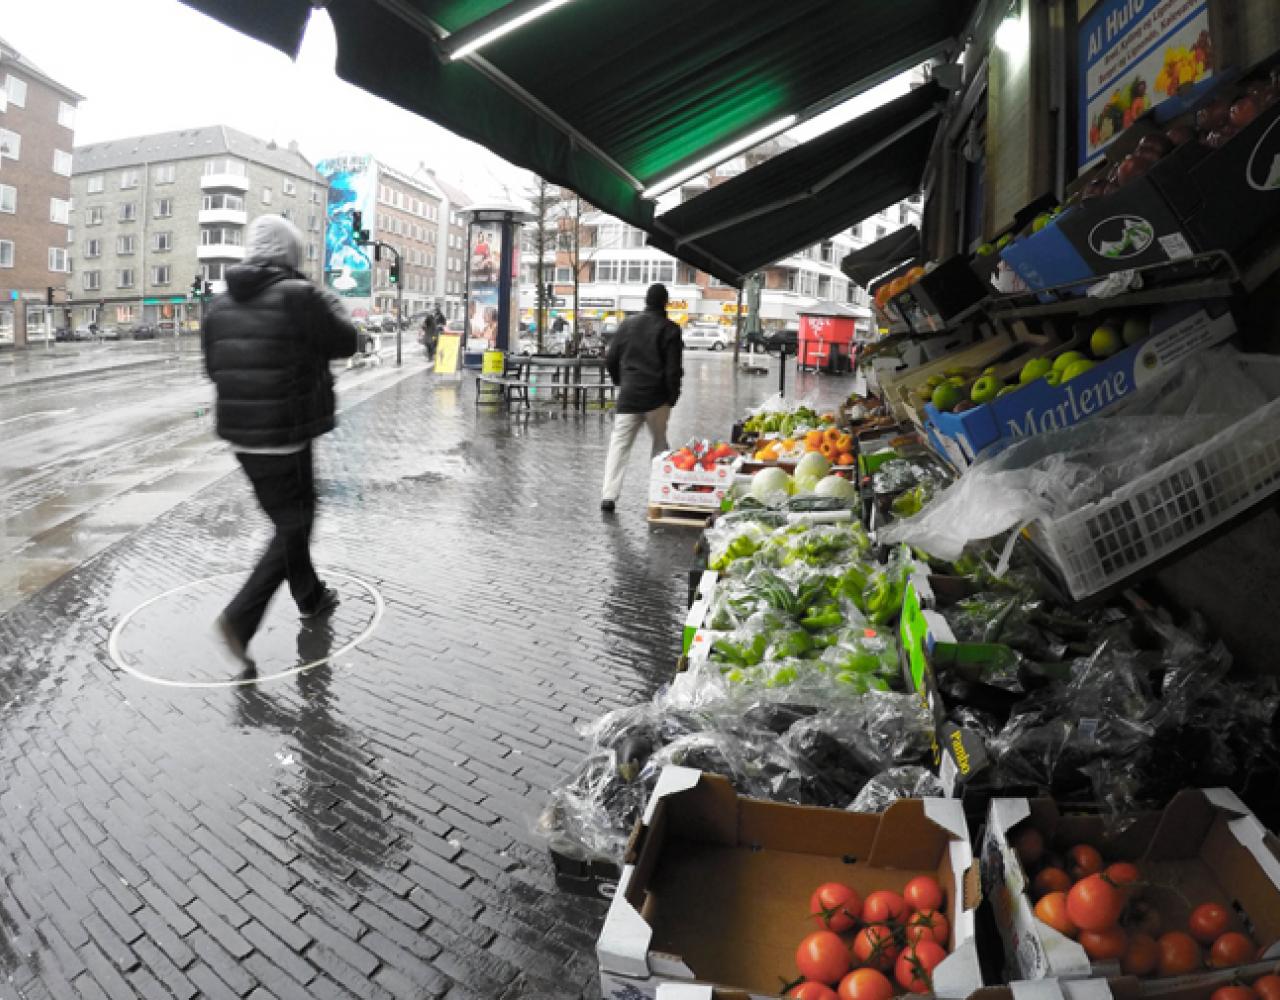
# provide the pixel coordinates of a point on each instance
(274, 240)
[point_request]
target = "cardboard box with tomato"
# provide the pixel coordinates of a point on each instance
(1204, 853)
(690, 478)
(716, 887)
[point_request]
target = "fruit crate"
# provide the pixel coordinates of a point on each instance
(1169, 507)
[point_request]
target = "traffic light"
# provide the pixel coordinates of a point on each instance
(48, 295)
(208, 289)
(195, 286)
(395, 271)
(550, 292)
(358, 232)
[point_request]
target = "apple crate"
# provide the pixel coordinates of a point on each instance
(667, 484)
(1167, 508)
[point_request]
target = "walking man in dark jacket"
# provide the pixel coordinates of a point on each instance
(644, 361)
(267, 345)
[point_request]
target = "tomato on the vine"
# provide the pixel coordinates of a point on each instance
(1103, 945)
(812, 991)
(930, 924)
(1123, 873)
(1209, 921)
(883, 907)
(875, 947)
(1179, 954)
(1082, 860)
(914, 970)
(1052, 909)
(1094, 904)
(865, 984)
(1232, 948)
(923, 893)
(822, 957)
(1051, 880)
(835, 906)
(1141, 956)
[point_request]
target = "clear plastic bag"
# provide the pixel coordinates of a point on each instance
(895, 783)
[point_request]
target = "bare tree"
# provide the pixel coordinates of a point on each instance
(539, 237)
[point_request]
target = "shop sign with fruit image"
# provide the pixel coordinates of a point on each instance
(1121, 236)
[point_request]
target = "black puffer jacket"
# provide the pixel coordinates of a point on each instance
(267, 345)
(644, 360)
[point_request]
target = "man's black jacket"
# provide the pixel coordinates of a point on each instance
(644, 360)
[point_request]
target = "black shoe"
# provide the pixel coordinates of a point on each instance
(234, 644)
(327, 602)
(607, 506)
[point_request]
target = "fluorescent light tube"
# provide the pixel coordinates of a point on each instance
(719, 156)
(516, 22)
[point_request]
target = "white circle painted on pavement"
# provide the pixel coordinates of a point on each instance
(113, 643)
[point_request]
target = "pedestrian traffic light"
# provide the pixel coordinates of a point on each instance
(395, 271)
(48, 295)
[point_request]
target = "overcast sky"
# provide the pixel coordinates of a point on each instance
(155, 65)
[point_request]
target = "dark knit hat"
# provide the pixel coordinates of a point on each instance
(656, 297)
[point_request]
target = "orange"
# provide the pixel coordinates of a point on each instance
(846, 458)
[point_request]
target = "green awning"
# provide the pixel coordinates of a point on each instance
(608, 96)
(808, 193)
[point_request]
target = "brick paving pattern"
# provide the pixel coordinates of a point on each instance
(361, 829)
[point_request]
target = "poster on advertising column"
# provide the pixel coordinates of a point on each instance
(1134, 55)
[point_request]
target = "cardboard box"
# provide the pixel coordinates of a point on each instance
(1205, 845)
(696, 487)
(715, 887)
(692, 991)
(1176, 333)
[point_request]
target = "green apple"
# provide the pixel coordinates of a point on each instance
(1077, 368)
(1054, 378)
(1067, 358)
(1105, 342)
(1007, 389)
(947, 396)
(1135, 329)
(1034, 369)
(934, 381)
(957, 380)
(986, 388)
(989, 370)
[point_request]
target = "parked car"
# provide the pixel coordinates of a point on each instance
(144, 331)
(61, 334)
(711, 335)
(774, 341)
(108, 332)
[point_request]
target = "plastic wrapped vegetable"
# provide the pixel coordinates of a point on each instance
(895, 783)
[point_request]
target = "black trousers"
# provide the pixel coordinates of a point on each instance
(285, 487)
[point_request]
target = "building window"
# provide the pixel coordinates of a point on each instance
(902, 214)
(266, 196)
(224, 167)
(881, 232)
(58, 260)
(161, 241)
(126, 244)
(128, 211)
(286, 213)
(164, 208)
(564, 275)
(6, 253)
(66, 114)
(91, 280)
(312, 251)
(128, 178)
(315, 196)
(212, 271)
(60, 211)
(93, 216)
(10, 144)
(94, 184)
(16, 90)
(288, 187)
(124, 278)
(313, 223)
(160, 274)
(93, 248)
(164, 174)
(231, 202)
(220, 237)
(62, 163)
(8, 198)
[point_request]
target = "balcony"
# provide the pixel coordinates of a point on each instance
(232, 216)
(222, 182)
(220, 251)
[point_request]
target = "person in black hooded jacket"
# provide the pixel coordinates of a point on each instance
(268, 341)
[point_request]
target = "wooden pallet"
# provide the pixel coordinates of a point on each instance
(680, 516)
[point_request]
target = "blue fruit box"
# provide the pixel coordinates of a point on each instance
(1038, 407)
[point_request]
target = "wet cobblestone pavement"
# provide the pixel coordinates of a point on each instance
(362, 826)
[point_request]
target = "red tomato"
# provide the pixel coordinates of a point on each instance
(822, 957)
(1179, 954)
(1052, 909)
(1123, 873)
(835, 906)
(1268, 987)
(1083, 860)
(1209, 921)
(875, 947)
(1233, 948)
(1051, 880)
(923, 893)
(1233, 993)
(883, 907)
(1028, 844)
(1103, 945)
(1141, 956)
(813, 991)
(1094, 904)
(930, 924)
(865, 984)
(914, 970)
(1140, 915)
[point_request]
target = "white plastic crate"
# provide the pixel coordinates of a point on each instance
(1168, 507)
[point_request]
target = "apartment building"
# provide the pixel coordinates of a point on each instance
(451, 278)
(37, 129)
(408, 218)
(154, 212)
